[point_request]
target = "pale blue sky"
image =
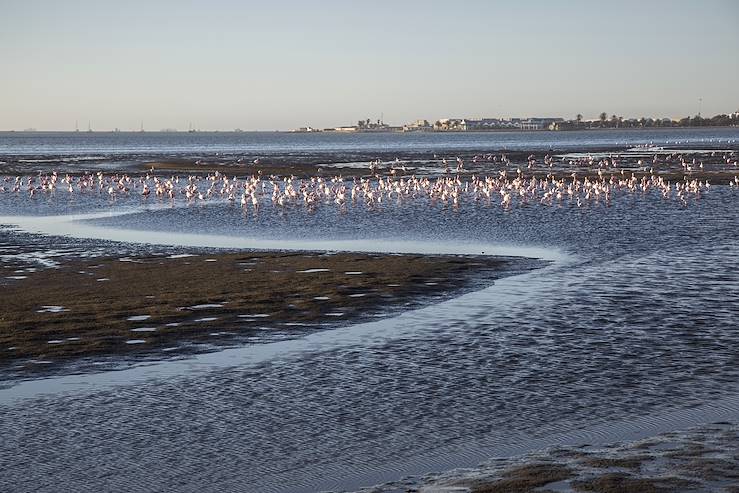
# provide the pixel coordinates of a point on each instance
(222, 64)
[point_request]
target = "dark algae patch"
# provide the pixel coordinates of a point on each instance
(130, 305)
(624, 483)
(701, 459)
(619, 462)
(525, 479)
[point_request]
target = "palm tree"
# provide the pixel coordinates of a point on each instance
(578, 118)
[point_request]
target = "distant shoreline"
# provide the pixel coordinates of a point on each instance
(373, 132)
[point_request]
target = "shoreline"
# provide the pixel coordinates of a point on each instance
(508, 130)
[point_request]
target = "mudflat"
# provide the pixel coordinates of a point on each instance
(130, 305)
(703, 458)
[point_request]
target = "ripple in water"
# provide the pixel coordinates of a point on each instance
(639, 326)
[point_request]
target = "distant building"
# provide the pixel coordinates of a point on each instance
(486, 124)
(368, 126)
(449, 124)
(376, 126)
(538, 123)
(472, 125)
(418, 126)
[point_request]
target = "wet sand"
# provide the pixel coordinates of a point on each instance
(701, 459)
(129, 305)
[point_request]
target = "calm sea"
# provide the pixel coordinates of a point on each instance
(271, 143)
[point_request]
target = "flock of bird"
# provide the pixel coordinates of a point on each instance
(506, 188)
(676, 160)
(254, 192)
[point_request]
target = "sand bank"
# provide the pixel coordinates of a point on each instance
(128, 305)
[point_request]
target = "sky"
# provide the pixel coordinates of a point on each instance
(279, 64)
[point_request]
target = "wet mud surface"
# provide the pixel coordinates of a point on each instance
(184, 302)
(637, 322)
(693, 162)
(702, 459)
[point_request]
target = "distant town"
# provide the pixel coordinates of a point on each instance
(485, 124)
(534, 123)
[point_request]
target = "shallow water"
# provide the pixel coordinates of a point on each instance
(632, 326)
(72, 147)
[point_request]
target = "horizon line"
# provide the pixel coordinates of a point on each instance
(192, 129)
